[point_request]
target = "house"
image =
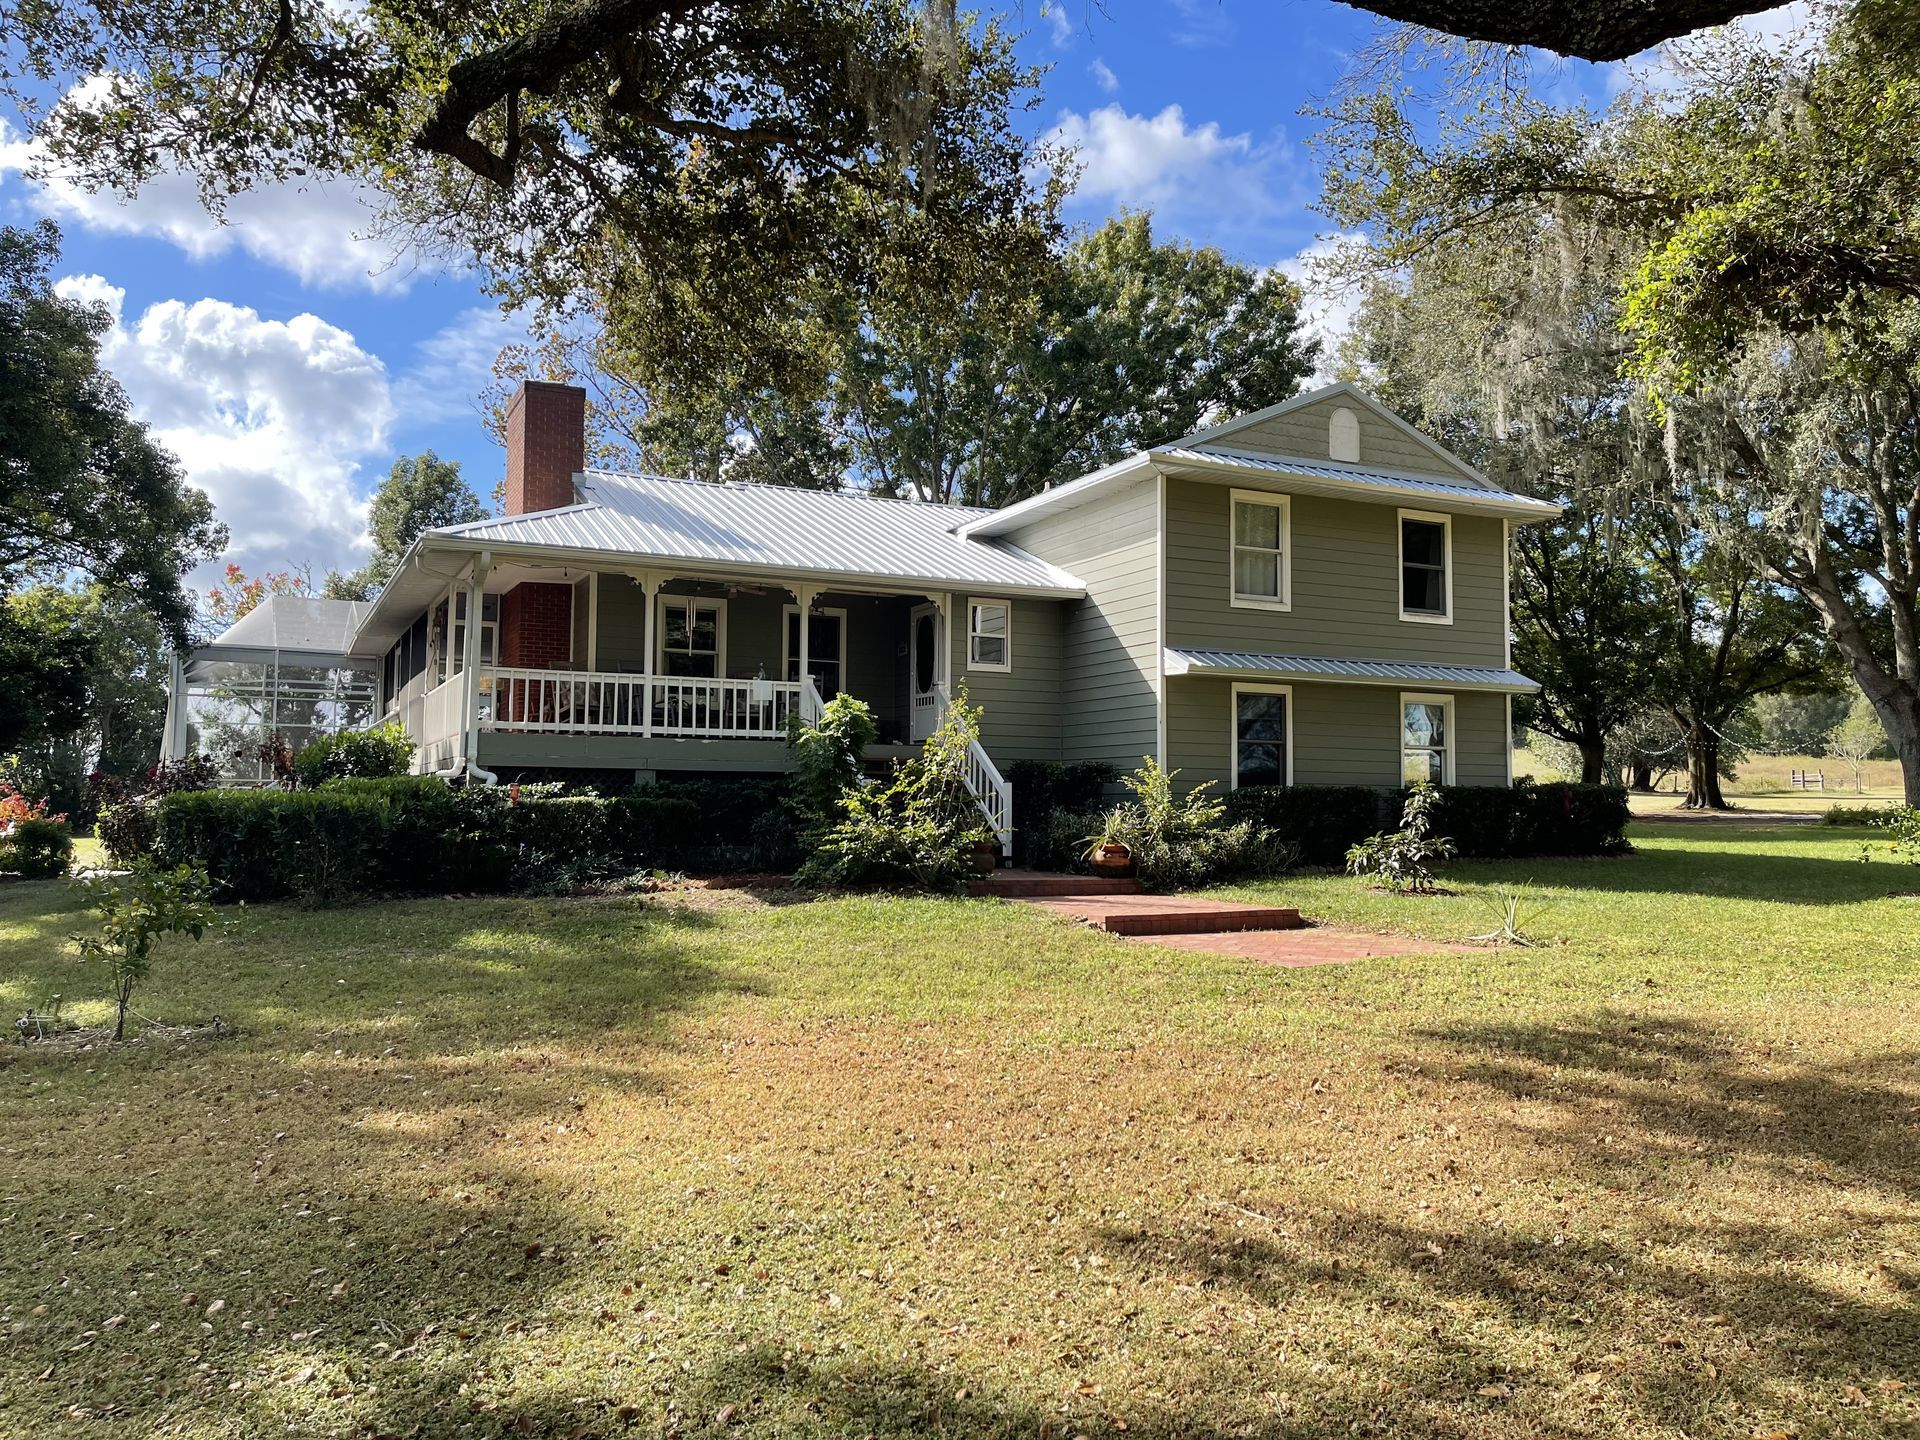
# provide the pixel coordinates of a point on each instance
(1312, 594)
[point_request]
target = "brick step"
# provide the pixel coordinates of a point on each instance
(1034, 884)
(1170, 914)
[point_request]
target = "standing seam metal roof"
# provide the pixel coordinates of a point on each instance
(772, 526)
(1181, 661)
(1290, 465)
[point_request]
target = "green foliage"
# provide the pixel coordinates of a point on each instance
(421, 492)
(1324, 821)
(83, 487)
(1857, 738)
(1183, 841)
(124, 809)
(1484, 821)
(828, 755)
(915, 831)
(1902, 824)
(1852, 815)
(136, 911)
(1043, 789)
(37, 848)
(380, 752)
(1400, 859)
(1515, 910)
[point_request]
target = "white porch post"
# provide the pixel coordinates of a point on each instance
(173, 742)
(649, 588)
(943, 671)
(593, 620)
(470, 659)
(804, 596)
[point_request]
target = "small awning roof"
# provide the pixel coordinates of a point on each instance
(299, 629)
(1258, 666)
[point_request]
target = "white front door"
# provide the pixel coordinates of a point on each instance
(924, 656)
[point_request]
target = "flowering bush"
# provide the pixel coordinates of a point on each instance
(15, 807)
(124, 806)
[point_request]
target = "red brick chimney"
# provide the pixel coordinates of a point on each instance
(546, 444)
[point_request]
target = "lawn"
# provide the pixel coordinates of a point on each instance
(891, 1168)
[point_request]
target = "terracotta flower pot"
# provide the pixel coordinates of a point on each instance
(1111, 859)
(986, 857)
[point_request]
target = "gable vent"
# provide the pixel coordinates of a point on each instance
(1343, 435)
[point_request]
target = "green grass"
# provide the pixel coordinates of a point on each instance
(478, 1168)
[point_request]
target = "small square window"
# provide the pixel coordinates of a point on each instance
(989, 635)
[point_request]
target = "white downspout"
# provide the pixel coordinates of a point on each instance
(470, 672)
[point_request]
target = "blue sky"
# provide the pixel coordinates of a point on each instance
(287, 357)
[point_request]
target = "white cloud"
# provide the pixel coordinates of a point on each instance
(1202, 23)
(1059, 24)
(1103, 76)
(322, 232)
(1194, 177)
(1328, 306)
(1674, 67)
(453, 366)
(273, 419)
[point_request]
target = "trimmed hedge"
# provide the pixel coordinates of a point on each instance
(1484, 821)
(416, 833)
(1043, 789)
(37, 848)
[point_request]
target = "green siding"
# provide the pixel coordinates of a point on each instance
(1342, 734)
(1022, 706)
(1110, 642)
(1303, 433)
(1346, 584)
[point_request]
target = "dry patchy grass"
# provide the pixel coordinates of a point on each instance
(906, 1168)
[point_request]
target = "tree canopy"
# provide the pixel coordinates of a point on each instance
(83, 488)
(715, 162)
(1121, 340)
(421, 492)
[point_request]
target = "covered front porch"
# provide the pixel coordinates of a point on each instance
(657, 671)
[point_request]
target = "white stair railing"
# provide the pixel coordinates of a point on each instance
(985, 783)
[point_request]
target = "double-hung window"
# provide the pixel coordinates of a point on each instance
(989, 635)
(691, 636)
(1262, 735)
(1426, 567)
(1262, 558)
(1426, 739)
(826, 648)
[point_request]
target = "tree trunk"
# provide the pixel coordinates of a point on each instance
(1900, 713)
(1593, 760)
(1703, 770)
(1640, 774)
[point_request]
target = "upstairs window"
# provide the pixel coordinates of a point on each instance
(1426, 567)
(1262, 561)
(989, 635)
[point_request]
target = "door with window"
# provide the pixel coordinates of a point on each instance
(924, 657)
(826, 649)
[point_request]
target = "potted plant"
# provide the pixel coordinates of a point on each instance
(986, 855)
(1106, 851)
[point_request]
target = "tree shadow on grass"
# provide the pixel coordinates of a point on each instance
(1749, 873)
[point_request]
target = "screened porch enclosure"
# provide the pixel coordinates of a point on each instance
(282, 669)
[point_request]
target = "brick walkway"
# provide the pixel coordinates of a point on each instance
(1315, 945)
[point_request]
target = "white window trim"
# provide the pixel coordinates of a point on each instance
(787, 657)
(1233, 728)
(973, 664)
(1445, 522)
(1417, 697)
(1284, 504)
(661, 602)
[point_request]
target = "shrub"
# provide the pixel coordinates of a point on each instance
(135, 911)
(828, 755)
(381, 751)
(37, 848)
(1062, 844)
(123, 807)
(1485, 821)
(1902, 824)
(1853, 815)
(16, 807)
(1399, 860)
(915, 832)
(1180, 842)
(1324, 821)
(1044, 788)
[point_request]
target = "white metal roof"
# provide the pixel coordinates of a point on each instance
(1457, 494)
(299, 624)
(775, 528)
(1362, 672)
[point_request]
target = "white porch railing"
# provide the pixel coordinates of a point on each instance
(440, 716)
(984, 782)
(585, 702)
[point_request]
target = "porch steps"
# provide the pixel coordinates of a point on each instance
(1120, 908)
